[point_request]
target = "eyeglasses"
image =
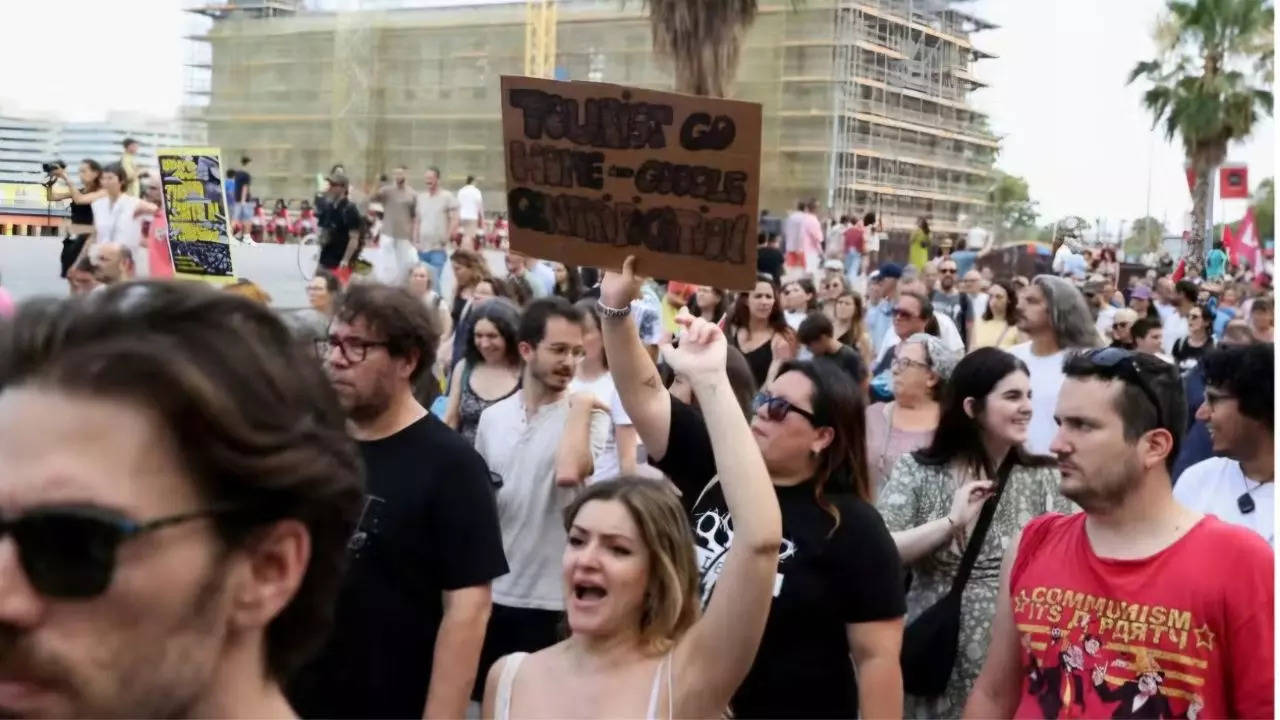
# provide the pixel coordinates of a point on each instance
(901, 314)
(1121, 362)
(903, 363)
(354, 350)
(70, 552)
(776, 408)
(946, 271)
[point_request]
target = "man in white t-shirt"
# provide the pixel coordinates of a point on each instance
(1185, 294)
(1239, 409)
(1049, 299)
(470, 212)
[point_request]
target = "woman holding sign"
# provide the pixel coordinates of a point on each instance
(638, 642)
(837, 595)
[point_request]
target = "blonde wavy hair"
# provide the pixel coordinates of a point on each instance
(671, 599)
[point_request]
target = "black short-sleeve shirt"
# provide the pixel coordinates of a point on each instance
(829, 575)
(429, 524)
(337, 220)
(848, 360)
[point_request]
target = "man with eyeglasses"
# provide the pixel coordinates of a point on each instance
(411, 618)
(1180, 602)
(1239, 412)
(532, 442)
(177, 494)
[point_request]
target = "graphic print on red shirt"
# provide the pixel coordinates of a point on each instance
(1180, 634)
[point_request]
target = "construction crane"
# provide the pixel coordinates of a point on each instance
(540, 38)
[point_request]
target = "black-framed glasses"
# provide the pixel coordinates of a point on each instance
(1121, 362)
(776, 408)
(354, 350)
(70, 551)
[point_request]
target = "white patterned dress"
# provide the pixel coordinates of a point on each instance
(916, 494)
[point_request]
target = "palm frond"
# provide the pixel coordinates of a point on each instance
(702, 39)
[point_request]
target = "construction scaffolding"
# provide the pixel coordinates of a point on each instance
(865, 101)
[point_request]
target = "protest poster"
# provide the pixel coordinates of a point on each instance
(597, 172)
(196, 212)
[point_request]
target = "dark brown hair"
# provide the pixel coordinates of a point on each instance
(405, 323)
(837, 404)
(741, 314)
(253, 419)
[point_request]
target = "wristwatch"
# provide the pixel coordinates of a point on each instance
(612, 312)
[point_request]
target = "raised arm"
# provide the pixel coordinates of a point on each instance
(634, 373)
(453, 409)
(714, 657)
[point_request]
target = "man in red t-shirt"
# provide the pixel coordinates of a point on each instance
(1138, 607)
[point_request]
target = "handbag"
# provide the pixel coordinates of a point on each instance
(931, 641)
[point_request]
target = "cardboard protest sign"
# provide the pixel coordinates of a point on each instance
(596, 172)
(196, 211)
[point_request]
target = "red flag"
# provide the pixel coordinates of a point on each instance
(1233, 182)
(1229, 243)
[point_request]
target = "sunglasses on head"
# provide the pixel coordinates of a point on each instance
(1121, 362)
(776, 408)
(70, 551)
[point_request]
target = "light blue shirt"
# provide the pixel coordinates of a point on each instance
(879, 319)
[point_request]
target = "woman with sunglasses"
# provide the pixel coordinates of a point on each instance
(833, 286)
(1188, 350)
(1122, 328)
(921, 366)
(838, 592)
(934, 495)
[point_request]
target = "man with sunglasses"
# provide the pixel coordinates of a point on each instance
(177, 495)
(411, 618)
(948, 300)
(1146, 576)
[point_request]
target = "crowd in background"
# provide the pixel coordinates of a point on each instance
(817, 471)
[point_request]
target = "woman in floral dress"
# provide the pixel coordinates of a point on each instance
(934, 496)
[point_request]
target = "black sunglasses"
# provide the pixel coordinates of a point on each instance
(70, 551)
(776, 408)
(1121, 362)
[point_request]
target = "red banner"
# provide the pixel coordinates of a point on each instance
(1233, 182)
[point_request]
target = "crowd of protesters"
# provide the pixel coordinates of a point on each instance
(453, 486)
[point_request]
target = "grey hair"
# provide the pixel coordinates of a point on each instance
(1073, 324)
(941, 358)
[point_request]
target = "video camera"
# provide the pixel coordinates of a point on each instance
(51, 166)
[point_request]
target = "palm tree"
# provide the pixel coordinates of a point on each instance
(1208, 86)
(702, 38)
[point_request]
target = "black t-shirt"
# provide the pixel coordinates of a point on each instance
(429, 524)
(243, 180)
(848, 360)
(825, 580)
(337, 220)
(1187, 355)
(769, 260)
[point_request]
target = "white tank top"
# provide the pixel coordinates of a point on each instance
(502, 703)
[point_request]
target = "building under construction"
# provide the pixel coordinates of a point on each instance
(864, 101)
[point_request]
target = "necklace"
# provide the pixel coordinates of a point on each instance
(1245, 501)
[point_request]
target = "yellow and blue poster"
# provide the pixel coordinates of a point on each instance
(196, 212)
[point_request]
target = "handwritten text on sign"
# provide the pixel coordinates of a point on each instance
(596, 172)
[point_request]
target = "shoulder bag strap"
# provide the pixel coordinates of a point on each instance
(984, 523)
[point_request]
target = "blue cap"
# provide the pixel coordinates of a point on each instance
(890, 270)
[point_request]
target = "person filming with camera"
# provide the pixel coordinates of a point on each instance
(80, 230)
